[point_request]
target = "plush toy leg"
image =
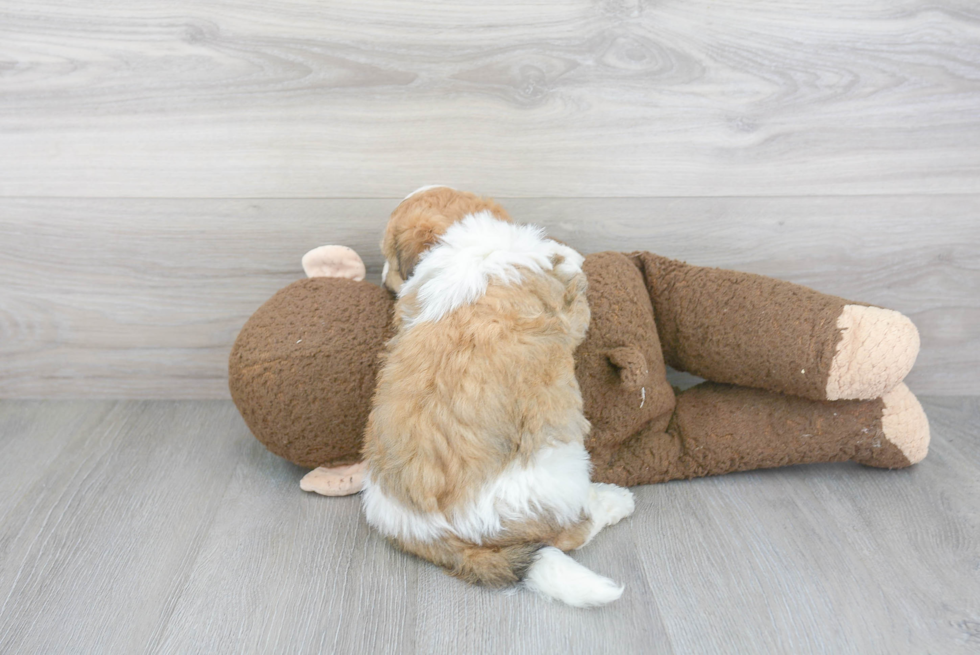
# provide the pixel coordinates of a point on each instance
(756, 331)
(339, 481)
(719, 428)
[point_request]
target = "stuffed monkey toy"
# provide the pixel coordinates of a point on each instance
(793, 375)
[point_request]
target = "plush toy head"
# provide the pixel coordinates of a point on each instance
(303, 369)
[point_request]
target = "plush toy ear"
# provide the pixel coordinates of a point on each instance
(632, 365)
(334, 261)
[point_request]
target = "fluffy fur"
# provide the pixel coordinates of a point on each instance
(418, 222)
(476, 250)
(475, 441)
(555, 482)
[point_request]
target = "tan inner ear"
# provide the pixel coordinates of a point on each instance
(334, 261)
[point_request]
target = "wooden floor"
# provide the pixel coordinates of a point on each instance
(164, 527)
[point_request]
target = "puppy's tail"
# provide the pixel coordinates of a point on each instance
(494, 566)
(543, 569)
(556, 575)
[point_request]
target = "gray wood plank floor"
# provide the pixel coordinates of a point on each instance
(163, 527)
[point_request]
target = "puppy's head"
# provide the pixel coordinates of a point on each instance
(419, 221)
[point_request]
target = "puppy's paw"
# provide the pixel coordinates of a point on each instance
(567, 264)
(610, 504)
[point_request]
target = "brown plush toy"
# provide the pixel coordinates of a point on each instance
(796, 376)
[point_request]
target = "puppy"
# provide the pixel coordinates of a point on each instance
(474, 444)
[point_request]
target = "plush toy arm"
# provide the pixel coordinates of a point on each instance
(335, 481)
(720, 428)
(761, 332)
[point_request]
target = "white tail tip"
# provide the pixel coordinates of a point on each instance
(556, 575)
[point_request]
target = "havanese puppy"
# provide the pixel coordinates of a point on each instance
(474, 444)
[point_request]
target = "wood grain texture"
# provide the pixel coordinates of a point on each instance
(617, 98)
(103, 534)
(163, 527)
(143, 298)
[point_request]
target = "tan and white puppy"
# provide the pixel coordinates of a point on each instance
(474, 445)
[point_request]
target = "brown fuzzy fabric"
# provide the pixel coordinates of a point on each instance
(719, 428)
(620, 366)
(741, 328)
(303, 369)
(303, 372)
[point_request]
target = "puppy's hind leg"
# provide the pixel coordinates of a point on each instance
(608, 505)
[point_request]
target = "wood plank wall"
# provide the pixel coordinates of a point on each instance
(164, 165)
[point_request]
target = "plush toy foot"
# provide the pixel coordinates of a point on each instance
(339, 481)
(876, 351)
(905, 424)
(903, 439)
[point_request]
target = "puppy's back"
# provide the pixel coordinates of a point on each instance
(461, 398)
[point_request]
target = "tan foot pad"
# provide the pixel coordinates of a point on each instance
(905, 424)
(876, 351)
(339, 481)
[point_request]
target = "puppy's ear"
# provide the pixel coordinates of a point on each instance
(408, 257)
(415, 240)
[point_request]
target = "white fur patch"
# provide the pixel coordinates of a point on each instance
(422, 189)
(556, 575)
(556, 484)
(393, 519)
(608, 505)
(480, 248)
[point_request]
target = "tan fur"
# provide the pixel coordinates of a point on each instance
(461, 398)
(419, 221)
(493, 566)
(501, 562)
